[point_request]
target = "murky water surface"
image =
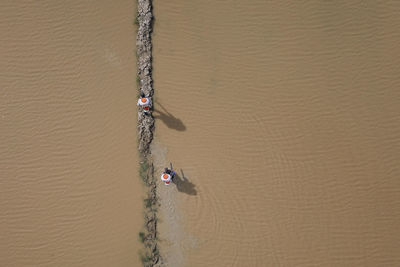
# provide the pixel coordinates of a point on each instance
(284, 118)
(69, 191)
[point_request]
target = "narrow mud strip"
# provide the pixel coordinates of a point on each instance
(150, 255)
(143, 46)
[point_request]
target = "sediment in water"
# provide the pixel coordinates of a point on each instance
(150, 255)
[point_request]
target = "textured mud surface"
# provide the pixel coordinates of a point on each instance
(150, 256)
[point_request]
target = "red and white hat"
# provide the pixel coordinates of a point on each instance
(166, 178)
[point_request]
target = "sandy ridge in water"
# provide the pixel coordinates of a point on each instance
(150, 255)
(153, 162)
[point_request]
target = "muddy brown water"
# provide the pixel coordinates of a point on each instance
(284, 118)
(69, 188)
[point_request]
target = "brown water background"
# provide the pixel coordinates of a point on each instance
(284, 118)
(69, 191)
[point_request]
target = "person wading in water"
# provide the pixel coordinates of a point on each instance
(167, 176)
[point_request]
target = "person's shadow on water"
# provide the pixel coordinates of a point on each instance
(184, 185)
(170, 120)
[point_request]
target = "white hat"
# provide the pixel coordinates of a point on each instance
(144, 101)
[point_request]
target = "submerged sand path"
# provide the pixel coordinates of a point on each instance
(170, 228)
